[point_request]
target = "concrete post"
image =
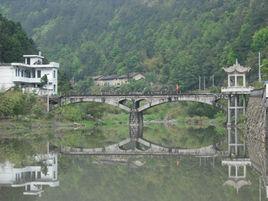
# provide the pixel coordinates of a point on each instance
(236, 104)
(244, 104)
(229, 111)
(236, 142)
(236, 81)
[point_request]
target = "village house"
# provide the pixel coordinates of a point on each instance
(114, 80)
(27, 75)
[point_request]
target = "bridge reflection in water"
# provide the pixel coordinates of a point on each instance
(129, 152)
(237, 158)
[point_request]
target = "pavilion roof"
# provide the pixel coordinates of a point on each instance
(237, 184)
(236, 68)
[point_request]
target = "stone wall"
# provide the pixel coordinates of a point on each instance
(257, 124)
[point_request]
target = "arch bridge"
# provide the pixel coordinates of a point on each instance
(136, 104)
(136, 100)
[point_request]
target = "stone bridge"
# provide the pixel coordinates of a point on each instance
(139, 103)
(136, 104)
(139, 146)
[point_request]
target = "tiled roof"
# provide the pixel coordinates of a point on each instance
(114, 77)
(237, 68)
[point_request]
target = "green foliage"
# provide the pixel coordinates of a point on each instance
(83, 86)
(135, 86)
(13, 41)
(71, 113)
(64, 84)
(15, 103)
(170, 41)
(80, 111)
(199, 109)
(44, 80)
(260, 39)
(264, 69)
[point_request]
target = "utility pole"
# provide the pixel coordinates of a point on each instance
(204, 83)
(213, 84)
(260, 66)
(199, 83)
(47, 101)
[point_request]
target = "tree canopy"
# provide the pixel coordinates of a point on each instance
(170, 41)
(14, 42)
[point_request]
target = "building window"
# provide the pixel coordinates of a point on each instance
(38, 175)
(22, 73)
(54, 74)
(28, 61)
(33, 73)
(39, 74)
(28, 73)
(54, 88)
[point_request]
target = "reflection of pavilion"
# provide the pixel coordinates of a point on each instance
(33, 177)
(236, 145)
(237, 172)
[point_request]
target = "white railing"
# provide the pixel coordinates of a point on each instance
(27, 80)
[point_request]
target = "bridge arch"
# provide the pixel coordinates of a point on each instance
(75, 100)
(206, 99)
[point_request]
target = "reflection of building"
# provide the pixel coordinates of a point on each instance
(237, 173)
(28, 75)
(33, 177)
(114, 80)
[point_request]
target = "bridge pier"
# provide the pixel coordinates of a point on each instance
(135, 124)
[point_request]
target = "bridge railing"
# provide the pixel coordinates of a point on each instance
(153, 93)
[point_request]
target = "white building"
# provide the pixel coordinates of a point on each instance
(27, 75)
(114, 80)
(32, 178)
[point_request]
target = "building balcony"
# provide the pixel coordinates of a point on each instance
(50, 65)
(23, 182)
(27, 80)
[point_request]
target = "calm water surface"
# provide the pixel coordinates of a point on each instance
(49, 175)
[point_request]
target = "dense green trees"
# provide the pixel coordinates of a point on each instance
(13, 41)
(15, 103)
(170, 41)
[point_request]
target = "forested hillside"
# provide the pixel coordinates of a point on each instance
(169, 40)
(13, 41)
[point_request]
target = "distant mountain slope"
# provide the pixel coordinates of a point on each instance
(170, 40)
(13, 41)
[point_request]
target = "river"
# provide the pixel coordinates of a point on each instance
(36, 168)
